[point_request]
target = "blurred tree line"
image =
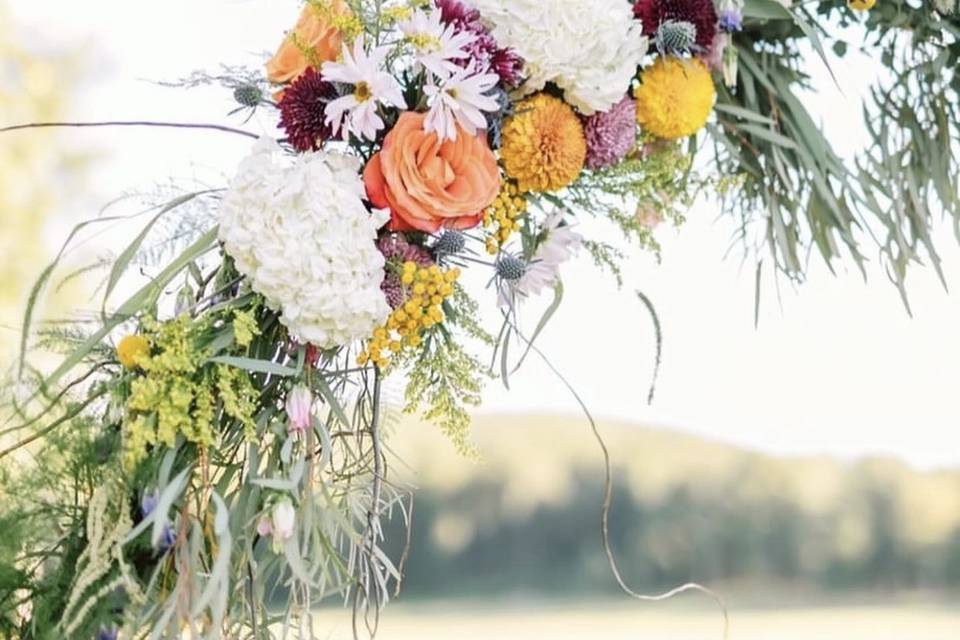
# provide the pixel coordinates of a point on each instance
(748, 521)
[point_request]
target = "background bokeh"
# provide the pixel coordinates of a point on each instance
(809, 469)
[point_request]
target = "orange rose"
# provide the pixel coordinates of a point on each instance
(314, 40)
(428, 184)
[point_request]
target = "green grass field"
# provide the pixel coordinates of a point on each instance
(459, 621)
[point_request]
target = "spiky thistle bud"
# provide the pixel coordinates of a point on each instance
(676, 37)
(510, 268)
(450, 243)
(249, 95)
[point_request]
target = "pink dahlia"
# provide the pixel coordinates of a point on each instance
(700, 13)
(484, 51)
(611, 134)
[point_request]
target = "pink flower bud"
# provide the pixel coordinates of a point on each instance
(283, 520)
(264, 528)
(299, 408)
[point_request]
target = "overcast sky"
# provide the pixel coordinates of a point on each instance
(838, 369)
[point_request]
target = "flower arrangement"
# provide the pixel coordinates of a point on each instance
(234, 437)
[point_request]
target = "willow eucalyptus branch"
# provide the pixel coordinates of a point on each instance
(607, 505)
(130, 123)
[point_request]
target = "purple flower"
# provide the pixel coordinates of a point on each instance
(611, 134)
(167, 538)
(148, 504)
(730, 20)
(397, 250)
(107, 633)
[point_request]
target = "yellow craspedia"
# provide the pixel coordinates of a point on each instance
(861, 5)
(132, 350)
(543, 146)
(675, 97)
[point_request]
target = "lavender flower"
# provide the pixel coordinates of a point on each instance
(107, 633)
(730, 20)
(148, 504)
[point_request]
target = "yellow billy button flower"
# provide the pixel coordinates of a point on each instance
(425, 291)
(675, 97)
(500, 218)
(132, 350)
(861, 5)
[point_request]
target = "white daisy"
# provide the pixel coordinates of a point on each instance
(436, 46)
(461, 99)
(371, 87)
(543, 271)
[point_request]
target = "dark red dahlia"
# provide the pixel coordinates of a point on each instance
(302, 111)
(484, 50)
(700, 13)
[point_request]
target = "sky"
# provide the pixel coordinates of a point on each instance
(836, 367)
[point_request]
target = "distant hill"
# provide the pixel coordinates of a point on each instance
(524, 516)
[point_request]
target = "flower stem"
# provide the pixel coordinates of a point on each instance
(130, 123)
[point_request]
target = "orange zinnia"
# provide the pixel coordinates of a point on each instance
(314, 40)
(428, 184)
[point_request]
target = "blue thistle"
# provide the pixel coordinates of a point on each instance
(676, 37)
(450, 243)
(510, 268)
(248, 95)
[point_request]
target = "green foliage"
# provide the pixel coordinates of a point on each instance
(796, 187)
(175, 395)
(444, 381)
(657, 183)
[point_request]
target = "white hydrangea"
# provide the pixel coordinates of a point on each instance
(298, 229)
(589, 49)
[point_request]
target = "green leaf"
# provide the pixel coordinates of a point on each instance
(765, 10)
(256, 366)
(331, 399)
(128, 254)
(743, 114)
(169, 495)
(504, 368)
(41, 282)
(544, 320)
(658, 332)
(143, 298)
(769, 135)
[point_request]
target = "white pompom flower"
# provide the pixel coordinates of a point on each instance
(298, 229)
(591, 50)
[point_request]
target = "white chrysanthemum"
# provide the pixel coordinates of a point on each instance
(589, 49)
(298, 229)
